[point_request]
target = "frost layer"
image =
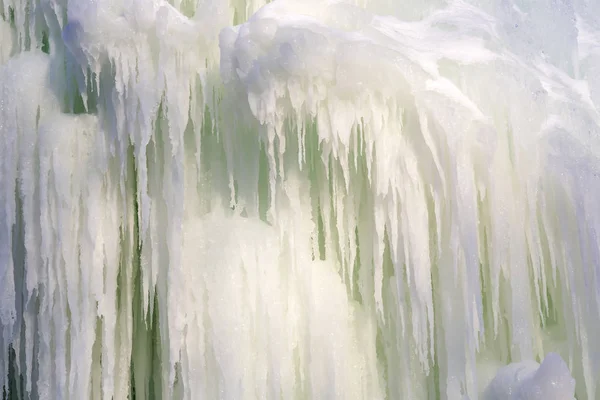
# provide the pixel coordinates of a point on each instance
(305, 199)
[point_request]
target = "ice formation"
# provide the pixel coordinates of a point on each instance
(320, 199)
(529, 380)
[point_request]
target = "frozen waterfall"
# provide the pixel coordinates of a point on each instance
(305, 199)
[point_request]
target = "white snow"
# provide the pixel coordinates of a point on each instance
(303, 199)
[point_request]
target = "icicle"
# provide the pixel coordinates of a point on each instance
(319, 202)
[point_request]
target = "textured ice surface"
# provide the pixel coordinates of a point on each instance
(529, 380)
(302, 199)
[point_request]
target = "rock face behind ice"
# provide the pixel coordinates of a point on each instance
(527, 380)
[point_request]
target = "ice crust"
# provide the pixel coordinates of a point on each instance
(301, 199)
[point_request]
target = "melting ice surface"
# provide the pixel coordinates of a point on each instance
(385, 199)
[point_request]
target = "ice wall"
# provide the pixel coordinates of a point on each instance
(304, 199)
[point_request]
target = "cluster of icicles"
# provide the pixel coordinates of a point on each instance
(306, 199)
